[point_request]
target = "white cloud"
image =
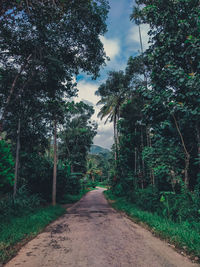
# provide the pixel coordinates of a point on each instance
(133, 36)
(111, 46)
(86, 93)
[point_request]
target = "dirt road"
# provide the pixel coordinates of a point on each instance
(93, 234)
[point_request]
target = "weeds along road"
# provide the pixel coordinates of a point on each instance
(93, 234)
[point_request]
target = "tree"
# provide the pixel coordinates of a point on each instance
(77, 135)
(173, 57)
(28, 40)
(30, 57)
(113, 94)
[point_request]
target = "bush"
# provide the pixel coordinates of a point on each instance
(92, 184)
(181, 207)
(147, 199)
(37, 173)
(6, 167)
(178, 207)
(73, 183)
(22, 204)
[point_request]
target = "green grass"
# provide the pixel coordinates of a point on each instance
(24, 228)
(182, 235)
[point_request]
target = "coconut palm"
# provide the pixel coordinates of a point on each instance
(113, 94)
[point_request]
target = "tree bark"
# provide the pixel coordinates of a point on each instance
(187, 155)
(12, 91)
(115, 138)
(135, 160)
(55, 165)
(198, 141)
(142, 148)
(17, 158)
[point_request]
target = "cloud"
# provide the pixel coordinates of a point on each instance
(111, 46)
(134, 39)
(86, 93)
(104, 136)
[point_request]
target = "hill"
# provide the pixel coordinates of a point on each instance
(98, 150)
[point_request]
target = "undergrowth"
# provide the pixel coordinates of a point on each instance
(185, 235)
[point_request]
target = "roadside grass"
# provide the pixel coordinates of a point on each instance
(183, 235)
(24, 228)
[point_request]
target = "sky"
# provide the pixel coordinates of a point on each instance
(120, 42)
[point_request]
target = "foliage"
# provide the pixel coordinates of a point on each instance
(6, 167)
(77, 135)
(39, 171)
(157, 168)
(23, 203)
(37, 79)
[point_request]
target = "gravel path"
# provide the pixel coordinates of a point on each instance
(93, 234)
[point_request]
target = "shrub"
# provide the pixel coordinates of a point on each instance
(147, 199)
(181, 207)
(37, 172)
(91, 184)
(23, 203)
(6, 167)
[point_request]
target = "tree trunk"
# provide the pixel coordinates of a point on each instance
(187, 155)
(115, 139)
(198, 142)
(11, 92)
(142, 148)
(135, 160)
(55, 165)
(17, 158)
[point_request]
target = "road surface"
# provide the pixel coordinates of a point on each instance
(95, 235)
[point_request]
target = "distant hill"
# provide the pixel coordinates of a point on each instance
(98, 150)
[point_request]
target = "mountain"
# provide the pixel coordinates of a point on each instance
(98, 150)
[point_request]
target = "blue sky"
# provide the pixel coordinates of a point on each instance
(120, 42)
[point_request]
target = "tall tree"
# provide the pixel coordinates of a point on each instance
(113, 94)
(77, 135)
(28, 39)
(173, 57)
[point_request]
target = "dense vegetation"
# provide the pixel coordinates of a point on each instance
(155, 108)
(44, 135)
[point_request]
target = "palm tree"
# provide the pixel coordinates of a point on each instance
(113, 94)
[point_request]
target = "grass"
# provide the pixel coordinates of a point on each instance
(182, 235)
(22, 229)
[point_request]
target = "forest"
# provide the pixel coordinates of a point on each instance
(153, 169)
